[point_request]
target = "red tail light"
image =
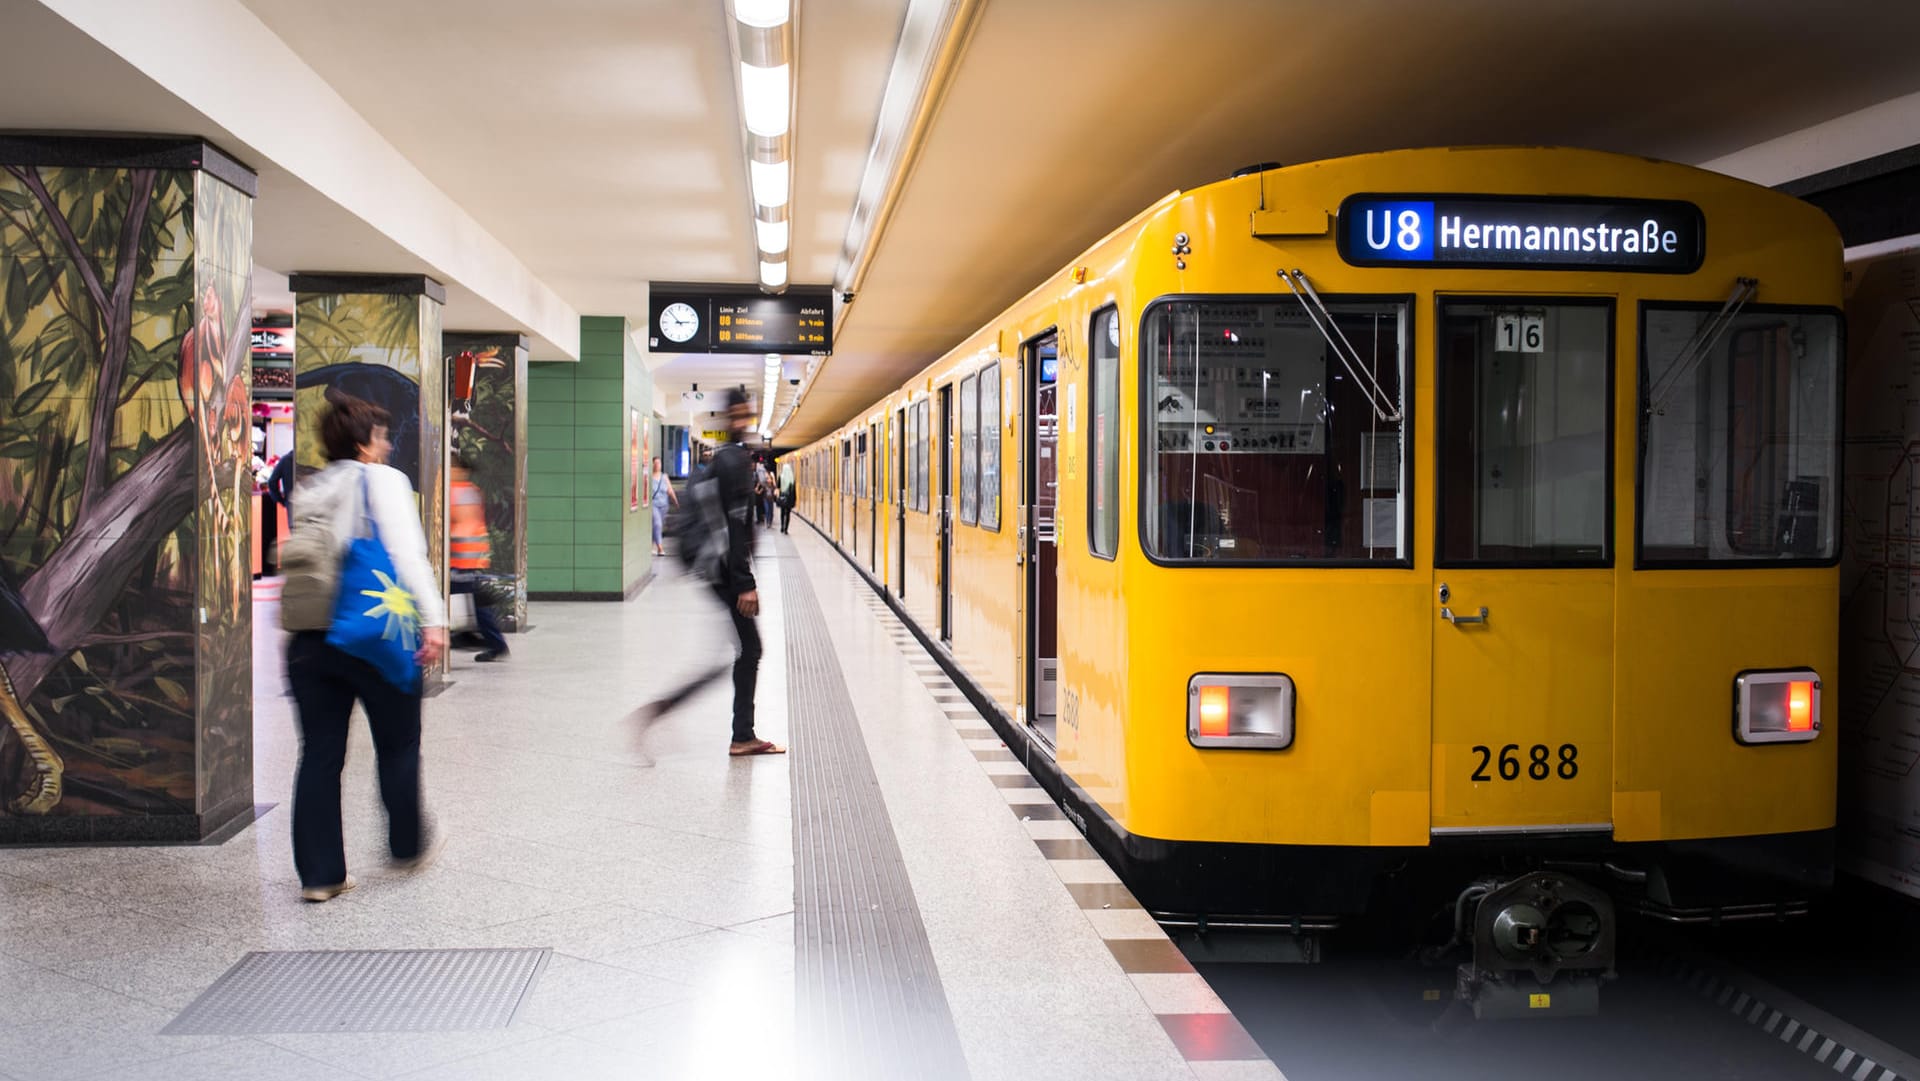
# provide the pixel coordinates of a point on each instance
(1215, 716)
(1800, 706)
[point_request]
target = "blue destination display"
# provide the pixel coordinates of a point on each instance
(1503, 231)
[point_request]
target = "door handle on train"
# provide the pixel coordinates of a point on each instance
(1447, 614)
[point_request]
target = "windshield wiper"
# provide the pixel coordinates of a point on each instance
(1323, 321)
(1705, 337)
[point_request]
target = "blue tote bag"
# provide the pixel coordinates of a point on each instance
(374, 617)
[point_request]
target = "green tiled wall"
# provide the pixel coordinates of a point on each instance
(581, 535)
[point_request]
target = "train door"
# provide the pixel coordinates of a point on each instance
(1523, 578)
(900, 503)
(875, 455)
(1040, 466)
(943, 452)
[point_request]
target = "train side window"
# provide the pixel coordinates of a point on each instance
(969, 450)
(1525, 433)
(990, 448)
(1741, 449)
(1260, 444)
(1103, 437)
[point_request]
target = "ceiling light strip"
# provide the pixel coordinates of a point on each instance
(763, 44)
(933, 38)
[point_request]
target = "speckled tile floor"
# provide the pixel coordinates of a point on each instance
(658, 870)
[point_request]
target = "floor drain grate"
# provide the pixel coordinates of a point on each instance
(364, 991)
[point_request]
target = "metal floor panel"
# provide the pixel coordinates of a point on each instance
(870, 1001)
(364, 991)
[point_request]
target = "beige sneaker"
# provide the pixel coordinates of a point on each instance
(317, 894)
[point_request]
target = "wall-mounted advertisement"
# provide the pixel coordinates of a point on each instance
(634, 462)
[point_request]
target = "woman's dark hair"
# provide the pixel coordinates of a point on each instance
(348, 425)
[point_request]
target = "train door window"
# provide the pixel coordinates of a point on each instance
(1263, 444)
(926, 440)
(969, 451)
(1103, 437)
(1525, 433)
(989, 469)
(1741, 449)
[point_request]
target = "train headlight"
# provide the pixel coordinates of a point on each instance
(1776, 707)
(1248, 711)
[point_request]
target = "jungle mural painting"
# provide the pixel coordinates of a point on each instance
(121, 472)
(371, 346)
(487, 378)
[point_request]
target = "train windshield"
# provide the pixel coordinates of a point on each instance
(1742, 437)
(1262, 446)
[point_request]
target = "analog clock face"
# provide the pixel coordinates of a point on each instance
(679, 322)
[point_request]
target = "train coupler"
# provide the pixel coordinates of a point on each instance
(1542, 945)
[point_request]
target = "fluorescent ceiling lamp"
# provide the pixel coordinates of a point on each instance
(765, 14)
(773, 274)
(766, 98)
(772, 234)
(769, 182)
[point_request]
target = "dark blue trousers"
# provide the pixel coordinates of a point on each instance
(326, 683)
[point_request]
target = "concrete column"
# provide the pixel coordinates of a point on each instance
(376, 337)
(487, 392)
(126, 613)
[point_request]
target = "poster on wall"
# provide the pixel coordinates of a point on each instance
(1879, 587)
(633, 453)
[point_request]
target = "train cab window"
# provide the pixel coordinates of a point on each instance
(1741, 452)
(1263, 445)
(969, 450)
(1103, 435)
(1525, 427)
(990, 448)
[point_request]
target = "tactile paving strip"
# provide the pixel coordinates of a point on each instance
(364, 991)
(870, 1001)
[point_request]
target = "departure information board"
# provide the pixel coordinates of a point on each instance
(735, 319)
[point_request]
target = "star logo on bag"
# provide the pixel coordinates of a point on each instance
(403, 617)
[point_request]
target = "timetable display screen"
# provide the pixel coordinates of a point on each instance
(1653, 236)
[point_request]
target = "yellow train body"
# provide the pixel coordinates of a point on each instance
(1402, 718)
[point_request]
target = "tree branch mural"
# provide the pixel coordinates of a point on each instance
(99, 459)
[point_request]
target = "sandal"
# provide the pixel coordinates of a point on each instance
(758, 746)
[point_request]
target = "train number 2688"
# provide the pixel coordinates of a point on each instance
(1540, 763)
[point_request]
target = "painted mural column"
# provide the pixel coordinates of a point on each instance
(487, 391)
(126, 612)
(376, 337)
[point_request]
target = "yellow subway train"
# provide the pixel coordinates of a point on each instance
(1459, 518)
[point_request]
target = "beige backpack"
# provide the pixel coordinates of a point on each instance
(310, 562)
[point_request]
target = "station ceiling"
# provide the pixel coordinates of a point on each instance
(583, 148)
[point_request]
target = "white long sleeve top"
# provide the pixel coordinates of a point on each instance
(395, 510)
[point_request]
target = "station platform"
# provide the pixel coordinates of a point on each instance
(894, 898)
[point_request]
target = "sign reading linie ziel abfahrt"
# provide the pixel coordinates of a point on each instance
(694, 318)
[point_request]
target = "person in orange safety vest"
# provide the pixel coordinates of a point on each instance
(469, 553)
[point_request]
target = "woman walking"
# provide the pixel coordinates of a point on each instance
(659, 496)
(357, 484)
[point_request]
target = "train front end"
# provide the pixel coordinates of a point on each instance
(1486, 509)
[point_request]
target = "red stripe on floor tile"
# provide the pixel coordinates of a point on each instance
(1210, 1037)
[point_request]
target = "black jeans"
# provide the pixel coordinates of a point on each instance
(466, 581)
(786, 515)
(325, 684)
(746, 666)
